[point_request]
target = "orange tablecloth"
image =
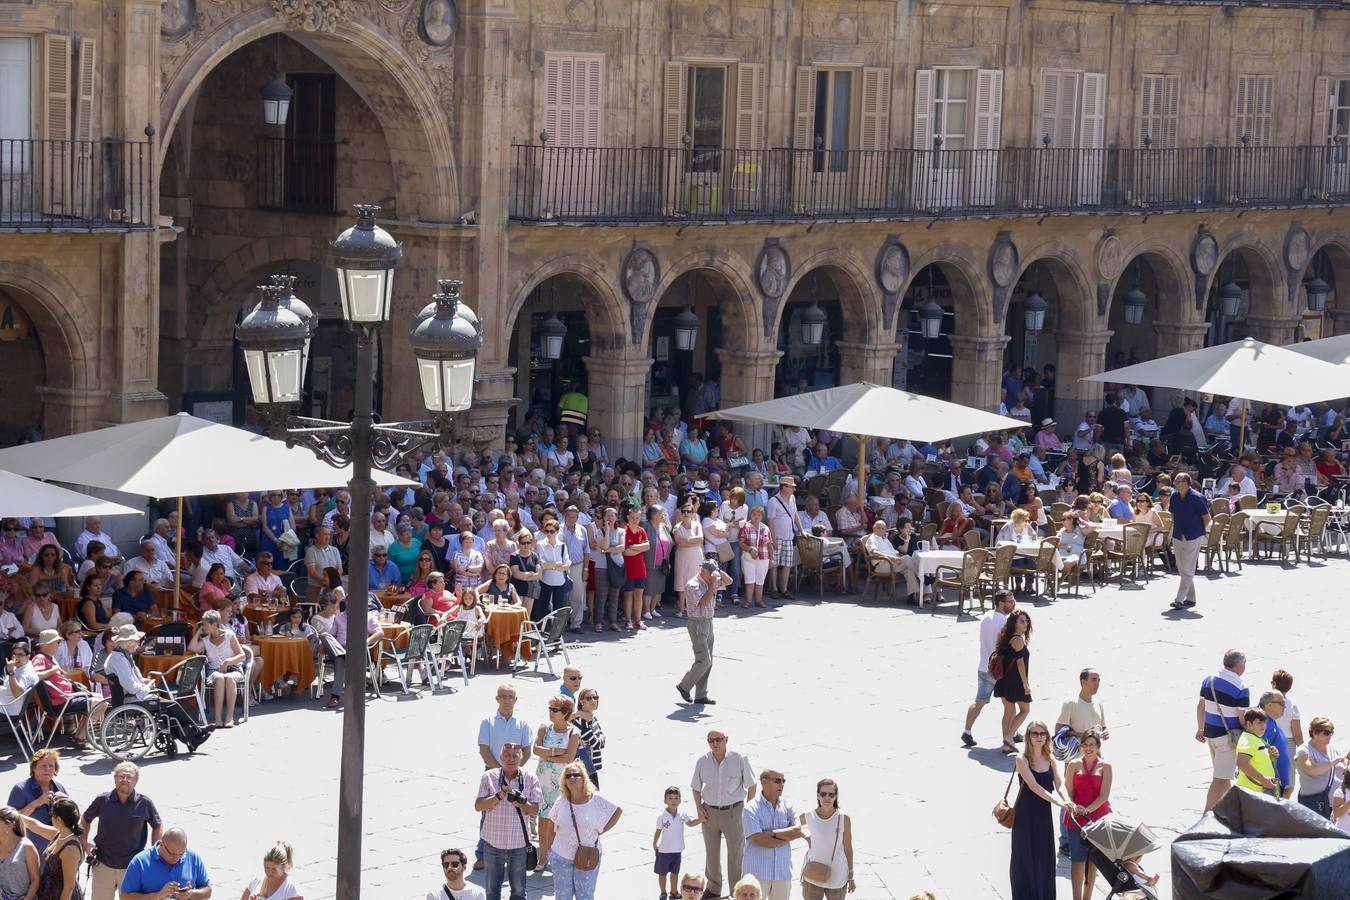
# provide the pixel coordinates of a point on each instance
(390, 598)
(159, 662)
(397, 632)
(503, 629)
(262, 615)
(67, 606)
(286, 656)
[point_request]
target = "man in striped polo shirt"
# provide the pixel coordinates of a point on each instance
(1223, 699)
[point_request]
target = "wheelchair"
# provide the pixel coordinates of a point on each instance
(128, 731)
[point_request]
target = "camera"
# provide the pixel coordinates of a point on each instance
(513, 795)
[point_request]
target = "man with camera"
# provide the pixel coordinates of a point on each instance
(700, 602)
(506, 796)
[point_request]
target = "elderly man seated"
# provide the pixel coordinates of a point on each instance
(161, 536)
(264, 585)
(93, 531)
(213, 551)
(156, 571)
(812, 517)
(886, 560)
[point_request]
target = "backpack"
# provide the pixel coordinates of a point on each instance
(996, 668)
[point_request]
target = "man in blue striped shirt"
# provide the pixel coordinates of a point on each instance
(1223, 698)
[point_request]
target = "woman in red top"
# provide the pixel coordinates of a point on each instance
(635, 544)
(954, 527)
(1089, 782)
(1328, 466)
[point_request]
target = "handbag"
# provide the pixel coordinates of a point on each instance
(531, 852)
(586, 858)
(724, 552)
(1234, 734)
(1003, 813)
(995, 666)
(818, 872)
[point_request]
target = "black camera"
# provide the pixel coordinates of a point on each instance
(514, 796)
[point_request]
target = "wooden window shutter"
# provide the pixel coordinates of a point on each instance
(1321, 120)
(1252, 109)
(804, 109)
(988, 109)
(1264, 110)
(84, 97)
(1049, 105)
(588, 100)
(674, 101)
(553, 75)
(923, 109)
(1059, 107)
(56, 87)
(875, 126)
(1092, 116)
(750, 96)
(1171, 105)
(1159, 102)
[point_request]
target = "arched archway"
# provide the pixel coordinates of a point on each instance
(1049, 309)
(1169, 298)
(1262, 310)
(926, 363)
(1329, 264)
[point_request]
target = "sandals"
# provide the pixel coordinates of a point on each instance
(1008, 747)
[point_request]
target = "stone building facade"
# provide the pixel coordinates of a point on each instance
(616, 161)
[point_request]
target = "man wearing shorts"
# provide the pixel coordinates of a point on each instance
(1223, 699)
(1004, 604)
(783, 522)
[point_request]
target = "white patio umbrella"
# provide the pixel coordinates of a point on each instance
(1332, 349)
(867, 410)
(20, 496)
(1248, 369)
(177, 456)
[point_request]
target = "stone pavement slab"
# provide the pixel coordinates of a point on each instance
(869, 693)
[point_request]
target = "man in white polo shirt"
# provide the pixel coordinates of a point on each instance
(1004, 604)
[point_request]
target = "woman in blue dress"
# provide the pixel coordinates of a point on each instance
(276, 519)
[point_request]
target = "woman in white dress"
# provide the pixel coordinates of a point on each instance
(827, 873)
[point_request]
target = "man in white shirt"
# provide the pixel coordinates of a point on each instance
(914, 482)
(20, 676)
(723, 783)
(1085, 435)
(156, 571)
(264, 584)
(886, 559)
(163, 551)
(1238, 474)
(782, 517)
(93, 531)
(380, 535)
(213, 551)
(1136, 398)
(990, 626)
(811, 518)
(343, 506)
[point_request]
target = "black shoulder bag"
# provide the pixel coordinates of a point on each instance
(531, 852)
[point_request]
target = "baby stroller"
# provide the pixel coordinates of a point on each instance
(1113, 841)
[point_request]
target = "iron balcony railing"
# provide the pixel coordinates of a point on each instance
(596, 185)
(74, 185)
(297, 174)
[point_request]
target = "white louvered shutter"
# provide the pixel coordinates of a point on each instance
(988, 136)
(1058, 108)
(751, 89)
(56, 123)
(86, 71)
(588, 100)
(1252, 110)
(1091, 138)
(1321, 132)
(922, 140)
(804, 109)
(874, 137)
(674, 102)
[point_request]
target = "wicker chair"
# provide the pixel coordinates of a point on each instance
(1234, 538)
(1047, 568)
(1313, 530)
(967, 581)
(875, 573)
(1129, 553)
(811, 557)
(1246, 501)
(998, 570)
(1094, 557)
(1286, 538)
(972, 540)
(1219, 505)
(1213, 547)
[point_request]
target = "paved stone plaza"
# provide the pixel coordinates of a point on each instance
(868, 693)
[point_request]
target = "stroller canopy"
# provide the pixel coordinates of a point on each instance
(1120, 838)
(1250, 846)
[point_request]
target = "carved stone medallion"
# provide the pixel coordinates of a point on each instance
(1204, 253)
(439, 22)
(1003, 260)
(176, 17)
(315, 15)
(1297, 248)
(772, 268)
(640, 274)
(1110, 256)
(892, 266)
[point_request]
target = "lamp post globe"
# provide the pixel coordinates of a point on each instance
(1317, 291)
(1033, 310)
(276, 98)
(446, 346)
(273, 340)
(1230, 299)
(930, 319)
(813, 321)
(1135, 302)
(686, 329)
(287, 299)
(365, 257)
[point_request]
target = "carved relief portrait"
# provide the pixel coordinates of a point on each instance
(1204, 254)
(772, 271)
(892, 267)
(176, 17)
(640, 274)
(439, 22)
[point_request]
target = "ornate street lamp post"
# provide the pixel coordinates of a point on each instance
(445, 338)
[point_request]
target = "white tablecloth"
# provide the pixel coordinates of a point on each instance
(1255, 516)
(1107, 530)
(929, 560)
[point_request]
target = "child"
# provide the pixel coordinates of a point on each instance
(1141, 876)
(668, 842)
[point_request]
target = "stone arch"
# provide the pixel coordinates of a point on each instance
(1076, 304)
(1175, 279)
(971, 302)
(1336, 247)
(71, 392)
(221, 295)
(1264, 274)
(730, 279)
(394, 86)
(608, 321)
(859, 298)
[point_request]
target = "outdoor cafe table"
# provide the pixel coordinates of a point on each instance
(396, 633)
(1107, 531)
(389, 599)
(262, 615)
(282, 656)
(150, 663)
(1272, 520)
(928, 561)
(503, 629)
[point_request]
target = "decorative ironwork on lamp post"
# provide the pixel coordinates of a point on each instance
(275, 336)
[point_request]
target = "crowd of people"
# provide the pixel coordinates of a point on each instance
(695, 522)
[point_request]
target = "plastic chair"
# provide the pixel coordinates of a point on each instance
(58, 714)
(18, 722)
(449, 647)
(968, 581)
(547, 636)
(419, 639)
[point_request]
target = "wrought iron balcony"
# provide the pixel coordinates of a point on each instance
(101, 185)
(604, 185)
(297, 174)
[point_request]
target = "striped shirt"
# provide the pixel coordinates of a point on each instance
(1226, 698)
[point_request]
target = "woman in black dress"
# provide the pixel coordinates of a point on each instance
(1031, 867)
(59, 875)
(1014, 688)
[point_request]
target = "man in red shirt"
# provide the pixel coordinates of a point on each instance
(60, 691)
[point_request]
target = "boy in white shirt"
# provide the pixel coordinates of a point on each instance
(668, 842)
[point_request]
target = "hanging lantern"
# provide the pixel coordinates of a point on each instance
(273, 340)
(686, 329)
(1317, 291)
(813, 321)
(1034, 307)
(551, 334)
(1230, 299)
(930, 319)
(1135, 302)
(276, 98)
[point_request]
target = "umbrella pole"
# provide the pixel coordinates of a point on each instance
(1242, 432)
(862, 467)
(178, 556)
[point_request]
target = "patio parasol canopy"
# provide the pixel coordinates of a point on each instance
(1335, 350)
(872, 410)
(20, 496)
(177, 456)
(1248, 369)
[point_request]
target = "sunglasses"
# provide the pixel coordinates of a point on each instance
(717, 740)
(573, 677)
(556, 709)
(777, 780)
(571, 775)
(452, 864)
(1037, 734)
(827, 794)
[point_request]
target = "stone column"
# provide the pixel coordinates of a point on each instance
(132, 346)
(1081, 353)
(69, 410)
(977, 370)
(1338, 322)
(1178, 337)
(1277, 330)
(617, 390)
(747, 377)
(866, 362)
(483, 426)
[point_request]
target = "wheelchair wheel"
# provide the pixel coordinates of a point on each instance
(128, 733)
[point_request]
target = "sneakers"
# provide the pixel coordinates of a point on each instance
(967, 739)
(1017, 738)
(1177, 604)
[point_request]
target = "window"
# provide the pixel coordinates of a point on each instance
(1158, 101)
(574, 98)
(833, 120)
(1252, 105)
(1331, 109)
(310, 152)
(706, 115)
(16, 97)
(950, 106)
